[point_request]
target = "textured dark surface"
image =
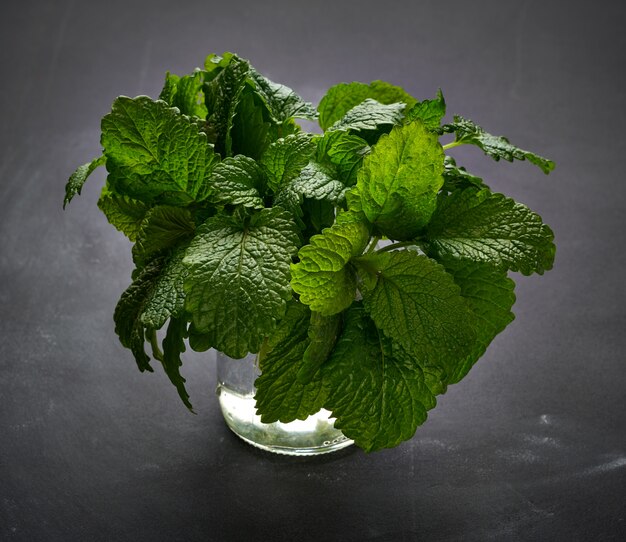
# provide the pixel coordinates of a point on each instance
(531, 446)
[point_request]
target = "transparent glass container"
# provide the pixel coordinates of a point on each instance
(235, 391)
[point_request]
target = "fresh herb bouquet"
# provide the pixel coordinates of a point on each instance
(365, 267)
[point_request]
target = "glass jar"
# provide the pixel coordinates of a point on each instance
(235, 390)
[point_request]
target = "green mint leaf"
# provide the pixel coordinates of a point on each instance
(214, 64)
(322, 334)
(489, 295)
(354, 211)
(310, 214)
(430, 112)
(251, 130)
(162, 228)
(173, 347)
(77, 179)
(130, 307)
(167, 296)
(291, 201)
(237, 181)
(185, 93)
(323, 277)
(282, 102)
(287, 128)
(264, 111)
(399, 180)
(280, 395)
(170, 88)
(482, 226)
(238, 280)
(376, 391)
(199, 342)
(370, 116)
(155, 295)
(342, 97)
(346, 151)
(311, 198)
(467, 132)
(155, 154)
(284, 159)
(222, 96)
(417, 305)
(317, 181)
(124, 213)
(457, 178)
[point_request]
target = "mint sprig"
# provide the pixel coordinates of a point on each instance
(498, 147)
(365, 267)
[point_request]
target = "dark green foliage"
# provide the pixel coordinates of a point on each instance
(254, 236)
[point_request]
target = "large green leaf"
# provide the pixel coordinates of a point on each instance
(284, 159)
(155, 296)
(378, 393)
(430, 112)
(322, 334)
(489, 294)
(399, 180)
(162, 228)
(370, 116)
(317, 181)
(251, 131)
(124, 213)
(127, 316)
(153, 153)
(238, 279)
(282, 102)
(482, 226)
(185, 93)
(323, 277)
(342, 97)
(280, 394)
(311, 197)
(344, 150)
(416, 303)
(237, 181)
(167, 297)
(222, 95)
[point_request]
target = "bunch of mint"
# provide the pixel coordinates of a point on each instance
(365, 267)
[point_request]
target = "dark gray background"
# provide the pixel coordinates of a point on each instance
(530, 446)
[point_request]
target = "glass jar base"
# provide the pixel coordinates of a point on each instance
(314, 436)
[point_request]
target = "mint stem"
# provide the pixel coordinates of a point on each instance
(452, 145)
(393, 246)
(372, 245)
(156, 351)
